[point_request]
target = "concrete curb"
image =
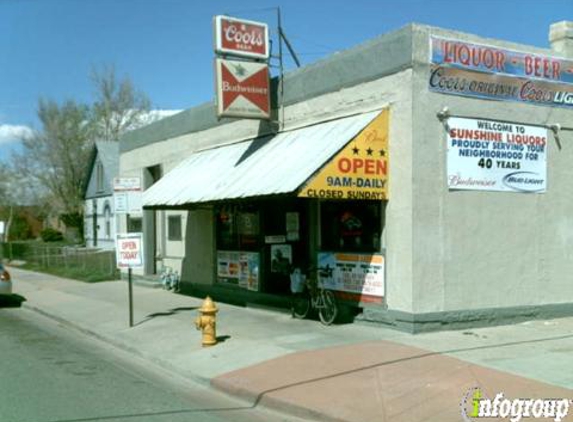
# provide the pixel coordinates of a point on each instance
(273, 403)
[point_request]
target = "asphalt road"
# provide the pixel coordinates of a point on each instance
(50, 373)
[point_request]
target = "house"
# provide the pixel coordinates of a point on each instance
(427, 170)
(100, 224)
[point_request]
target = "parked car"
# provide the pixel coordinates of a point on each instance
(5, 281)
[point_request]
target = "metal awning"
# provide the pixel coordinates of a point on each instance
(269, 165)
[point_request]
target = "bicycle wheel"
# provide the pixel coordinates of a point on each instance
(329, 309)
(300, 305)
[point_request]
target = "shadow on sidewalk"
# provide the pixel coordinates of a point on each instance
(169, 312)
(11, 301)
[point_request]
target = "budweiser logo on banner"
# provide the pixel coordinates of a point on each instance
(241, 37)
(243, 89)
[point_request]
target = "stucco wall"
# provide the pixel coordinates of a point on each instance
(393, 91)
(476, 250)
(199, 263)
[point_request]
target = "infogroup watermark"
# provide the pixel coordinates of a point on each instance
(476, 406)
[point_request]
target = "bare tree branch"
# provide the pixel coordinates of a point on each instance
(119, 107)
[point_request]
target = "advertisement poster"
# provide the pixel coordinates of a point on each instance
(352, 272)
(281, 260)
(482, 71)
(249, 270)
(129, 250)
(359, 171)
(488, 155)
(241, 268)
(228, 264)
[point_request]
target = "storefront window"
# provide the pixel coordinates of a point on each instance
(237, 228)
(353, 226)
(238, 257)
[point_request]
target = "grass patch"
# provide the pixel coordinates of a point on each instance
(64, 260)
(76, 273)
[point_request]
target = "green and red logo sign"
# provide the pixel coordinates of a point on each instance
(242, 89)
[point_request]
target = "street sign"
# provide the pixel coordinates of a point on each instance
(126, 184)
(129, 250)
(127, 195)
(120, 202)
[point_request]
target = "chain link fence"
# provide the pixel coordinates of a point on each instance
(78, 262)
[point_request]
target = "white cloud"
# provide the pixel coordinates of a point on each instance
(155, 115)
(14, 133)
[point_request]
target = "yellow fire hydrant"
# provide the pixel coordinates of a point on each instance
(207, 321)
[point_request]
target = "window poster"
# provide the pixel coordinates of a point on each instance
(240, 268)
(352, 272)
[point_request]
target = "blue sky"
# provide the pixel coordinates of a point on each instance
(49, 46)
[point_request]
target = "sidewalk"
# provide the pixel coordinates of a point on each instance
(347, 372)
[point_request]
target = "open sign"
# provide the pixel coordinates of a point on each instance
(129, 250)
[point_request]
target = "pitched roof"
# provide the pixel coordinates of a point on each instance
(109, 156)
(108, 153)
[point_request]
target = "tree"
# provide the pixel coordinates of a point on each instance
(119, 106)
(55, 158)
(6, 202)
(14, 198)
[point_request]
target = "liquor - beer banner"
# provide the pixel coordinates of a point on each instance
(482, 71)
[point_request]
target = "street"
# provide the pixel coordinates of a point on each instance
(53, 374)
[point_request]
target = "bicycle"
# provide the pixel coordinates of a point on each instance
(170, 279)
(307, 294)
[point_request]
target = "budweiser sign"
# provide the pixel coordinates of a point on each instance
(241, 37)
(242, 89)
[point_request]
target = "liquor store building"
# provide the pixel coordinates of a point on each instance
(428, 169)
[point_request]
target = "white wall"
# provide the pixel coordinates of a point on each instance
(105, 221)
(475, 250)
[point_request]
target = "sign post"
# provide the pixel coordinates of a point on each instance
(130, 296)
(129, 251)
